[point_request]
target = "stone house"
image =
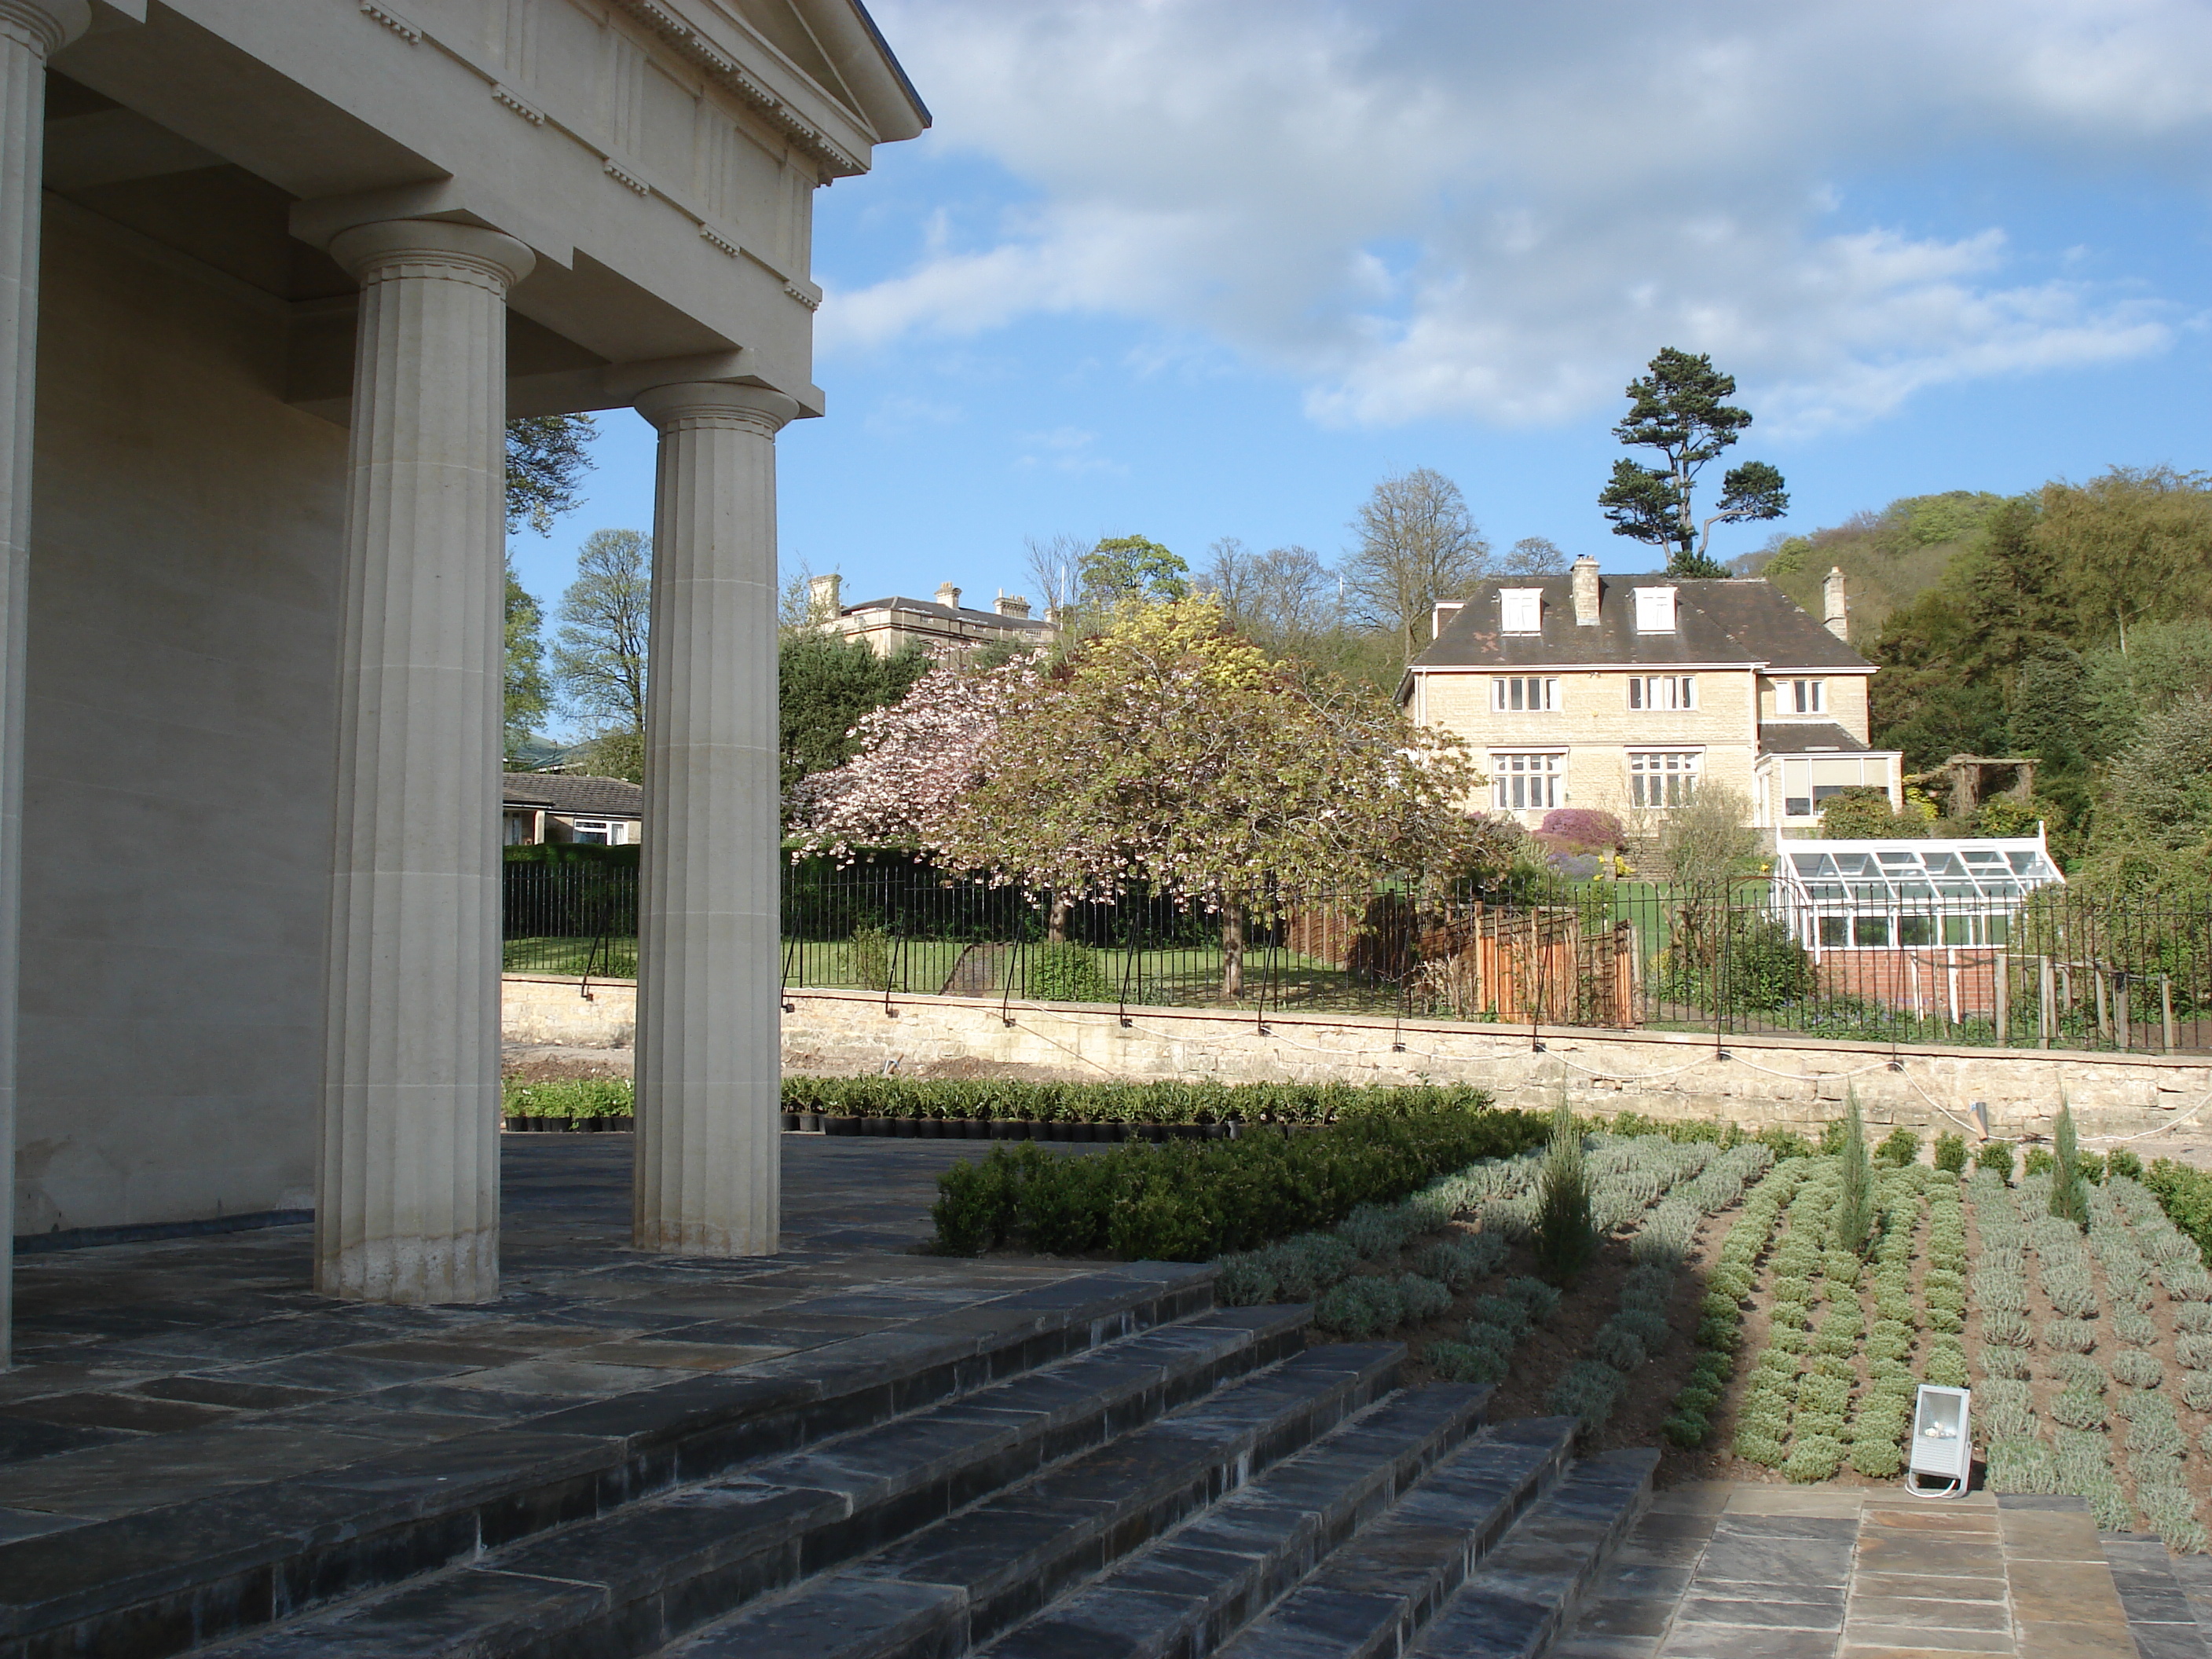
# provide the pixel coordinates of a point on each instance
(1627, 694)
(276, 274)
(888, 626)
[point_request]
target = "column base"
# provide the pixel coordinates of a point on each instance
(693, 1238)
(464, 1268)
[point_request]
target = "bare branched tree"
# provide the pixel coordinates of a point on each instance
(1284, 599)
(1418, 545)
(1534, 556)
(1054, 564)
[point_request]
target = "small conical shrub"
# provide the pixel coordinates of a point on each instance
(1566, 1236)
(1854, 1207)
(2067, 1201)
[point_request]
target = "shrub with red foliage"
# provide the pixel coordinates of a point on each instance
(1581, 829)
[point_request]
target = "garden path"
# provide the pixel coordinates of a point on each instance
(1716, 1571)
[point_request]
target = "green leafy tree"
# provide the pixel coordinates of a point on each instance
(2069, 1200)
(1565, 1230)
(1172, 754)
(824, 684)
(529, 694)
(1419, 546)
(1678, 408)
(1123, 570)
(1855, 1205)
(600, 654)
(547, 456)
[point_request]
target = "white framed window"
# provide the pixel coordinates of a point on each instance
(1520, 609)
(1663, 777)
(1655, 609)
(1517, 694)
(1663, 691)
(1527, 782)
(598, 832)
(1808, 697)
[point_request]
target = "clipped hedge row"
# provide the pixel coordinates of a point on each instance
(2185, 1195)
(570, 1098)
(1115, 1102)
(1192, 1200)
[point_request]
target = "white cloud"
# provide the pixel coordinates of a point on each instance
(1422, 208)
(1064, 449)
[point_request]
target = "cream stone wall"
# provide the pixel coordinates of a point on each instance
(183, 592)
(1597, 729)
(1758, 1081)
(1846, 694)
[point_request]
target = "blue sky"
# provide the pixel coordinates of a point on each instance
(1192, 268)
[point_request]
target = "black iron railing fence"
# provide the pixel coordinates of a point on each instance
(2061, 969)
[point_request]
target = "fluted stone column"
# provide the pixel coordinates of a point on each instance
(709, 1003)
(30, 30)
(407, 1198)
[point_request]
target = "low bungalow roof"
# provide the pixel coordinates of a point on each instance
(1808, 737)
(573, 794)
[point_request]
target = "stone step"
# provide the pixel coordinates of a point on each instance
(2153, 1590)
(1373, 1595)
(162, 1580)
(653, 1570)
(962, 1582)
(1192, 1591)
(1525, 1591)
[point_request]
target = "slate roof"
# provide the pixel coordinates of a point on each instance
(1808, 737)
(947, 613)
(572, 795)
(1738, 621)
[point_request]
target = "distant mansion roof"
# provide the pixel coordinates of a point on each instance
(888, 625)
(1736, 622)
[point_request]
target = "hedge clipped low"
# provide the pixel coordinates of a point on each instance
(1116, 1103)
(574, 1097)
(1192, 1200)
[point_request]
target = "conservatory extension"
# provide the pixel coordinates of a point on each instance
(1919, 924)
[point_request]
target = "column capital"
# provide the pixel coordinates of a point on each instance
(45, 26)
(430, 247)
(717, 403)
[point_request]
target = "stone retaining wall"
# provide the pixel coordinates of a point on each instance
(1763, 1080)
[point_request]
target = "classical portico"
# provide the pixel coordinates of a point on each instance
(302, 260)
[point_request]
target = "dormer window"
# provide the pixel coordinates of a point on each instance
(1520, 609)
(1655, 609)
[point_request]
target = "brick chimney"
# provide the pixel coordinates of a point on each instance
(948, 596)
(1013, 605)
(825, 598)
(1584, 576)
(1835, 607)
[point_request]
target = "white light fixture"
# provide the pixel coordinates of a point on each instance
(1942, 1442)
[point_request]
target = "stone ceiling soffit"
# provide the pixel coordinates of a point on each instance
(189, 78)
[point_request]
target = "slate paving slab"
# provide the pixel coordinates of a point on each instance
(161, 1377)
(1724, 1571)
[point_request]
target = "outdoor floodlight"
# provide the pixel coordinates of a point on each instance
(1943, 1445)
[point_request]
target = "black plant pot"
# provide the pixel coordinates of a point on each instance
(841, 1124)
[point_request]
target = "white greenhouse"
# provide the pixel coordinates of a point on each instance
(1891, 894)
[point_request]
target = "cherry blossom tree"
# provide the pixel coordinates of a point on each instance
(1174, 755)
(917, 758)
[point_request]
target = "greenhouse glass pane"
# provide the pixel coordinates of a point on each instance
(1944, 864)
(1996, 929)
(1870, 930)
(1835, 931)
(1915, 930)
(1957, 930)
(1854, 864)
